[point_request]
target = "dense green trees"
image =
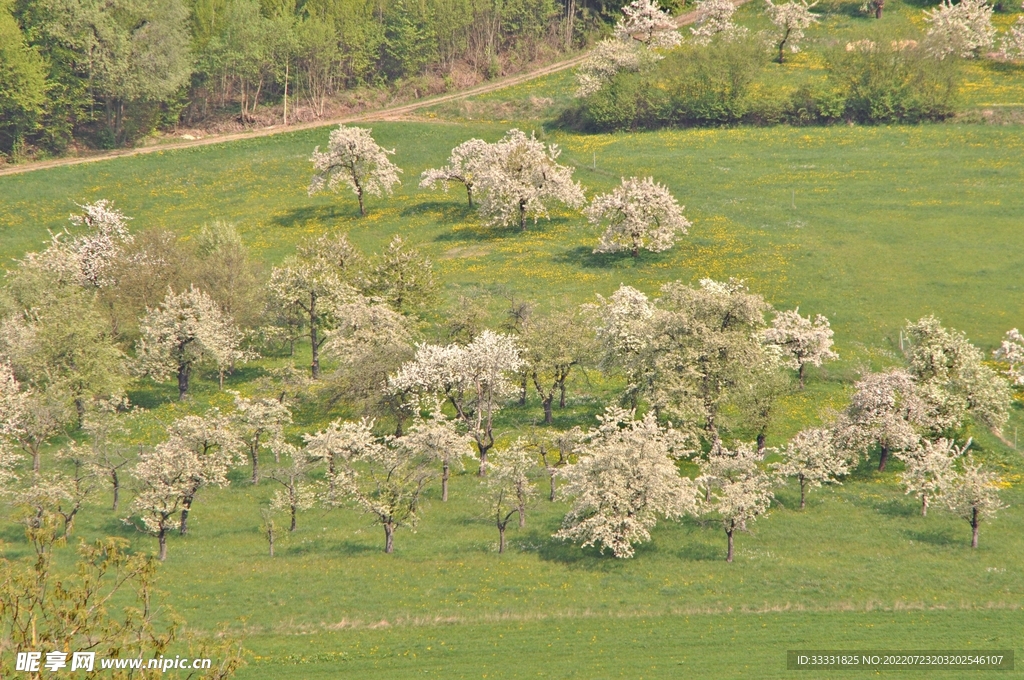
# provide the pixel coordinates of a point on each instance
(106, 72)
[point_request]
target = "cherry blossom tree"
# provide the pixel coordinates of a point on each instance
(339, 441)
(354, 159)
(260, 425)
(803, 342)
(474, 378)
(187, 329)
(438, 439)
(812, 457)
(465, 164)
(625, 478)
(110, 447)
(930, 469)
(509, 489)
(714, 19)
(960, 30)
(638, 214)
(1011, 352)
(736, 489)
(1012, 46)
(624, 324)
(316, 281)
(522, 178)
(973, 495)
(609, 57)
(98, 250)
(566, 443)
(298, 493)
(790, 20)
(383, 477)
(644, 21)
(885, 410)
(953, 380)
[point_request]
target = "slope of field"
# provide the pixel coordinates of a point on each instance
(869, 226)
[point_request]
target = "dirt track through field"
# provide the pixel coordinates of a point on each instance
(388, 113)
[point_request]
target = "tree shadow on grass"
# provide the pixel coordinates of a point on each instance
(315, 213)
(702, 552)
(849, 9)
(479, 232)
(941, 537)
(150, 395)
(584, 256)
(443, 211)
(897, 507)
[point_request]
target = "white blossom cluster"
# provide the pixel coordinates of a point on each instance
(714, 18)
(643, 29)
(1012, 46)
(509, 489)
(803, 342)
(97, 250)
(929, 470)
(625, 478)
(973, 495)
(1011, 351)
(638, 214)
(813, 458)
(791, 20)
(466, 164)
(736, 490)
(960, 29)
(355, 160)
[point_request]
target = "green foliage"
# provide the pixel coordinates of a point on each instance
(23, 86)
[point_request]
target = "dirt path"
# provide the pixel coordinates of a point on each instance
(388, 113)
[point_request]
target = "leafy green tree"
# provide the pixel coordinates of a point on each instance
(23, 84)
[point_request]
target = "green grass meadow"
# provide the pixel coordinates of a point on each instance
(870, 226)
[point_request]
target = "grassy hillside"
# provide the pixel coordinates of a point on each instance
(870, 226)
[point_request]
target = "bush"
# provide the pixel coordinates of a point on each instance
(894, 81)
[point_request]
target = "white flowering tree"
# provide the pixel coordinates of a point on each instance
(642, 30)
(790, 20)
(314, 282)
(402, 277)
(736, 490)
(609, 57)
(973, 495)
(953, 380)
(812, 457)
(465, 164)
(962, 29)
(260, 424)
(474, 378)
(1011, 352)
(355, 160)
(509, 489)
(437, 437)
(714, 19)
(803, 342)
(624, 324)
(339, 441)
(646, 22)
(522, 178)
(625, 478)
(382, 477)
(98, 249)
(885, 411)
(1012, 46)
(297, 493)
(930, 469)
(637, 214)
(187, 329)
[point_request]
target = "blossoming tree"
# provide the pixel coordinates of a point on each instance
(354, 159)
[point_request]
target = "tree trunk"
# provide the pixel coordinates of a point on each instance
(501, 538)
(444, 482)
(315, 366)
(359, 193)
(728, 557)
(286, 65)
(551, 497)
(879, 4)
(522, 516)
(635, 252)
(270, 540)
(803, 492)
(117, 488)
(802, 367)
(184, 371)
(36, 459)
(80, 410)
(522, 215)
(924, 505)
(469, 194)
(162, 538)
(484, 448)
(254, 454)
(522, 391)
(294, 519)
(761, 436)
(974, 527)
(883, 458)
(183, 528)
(389, 538)
(546, 403)
(561, 397)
